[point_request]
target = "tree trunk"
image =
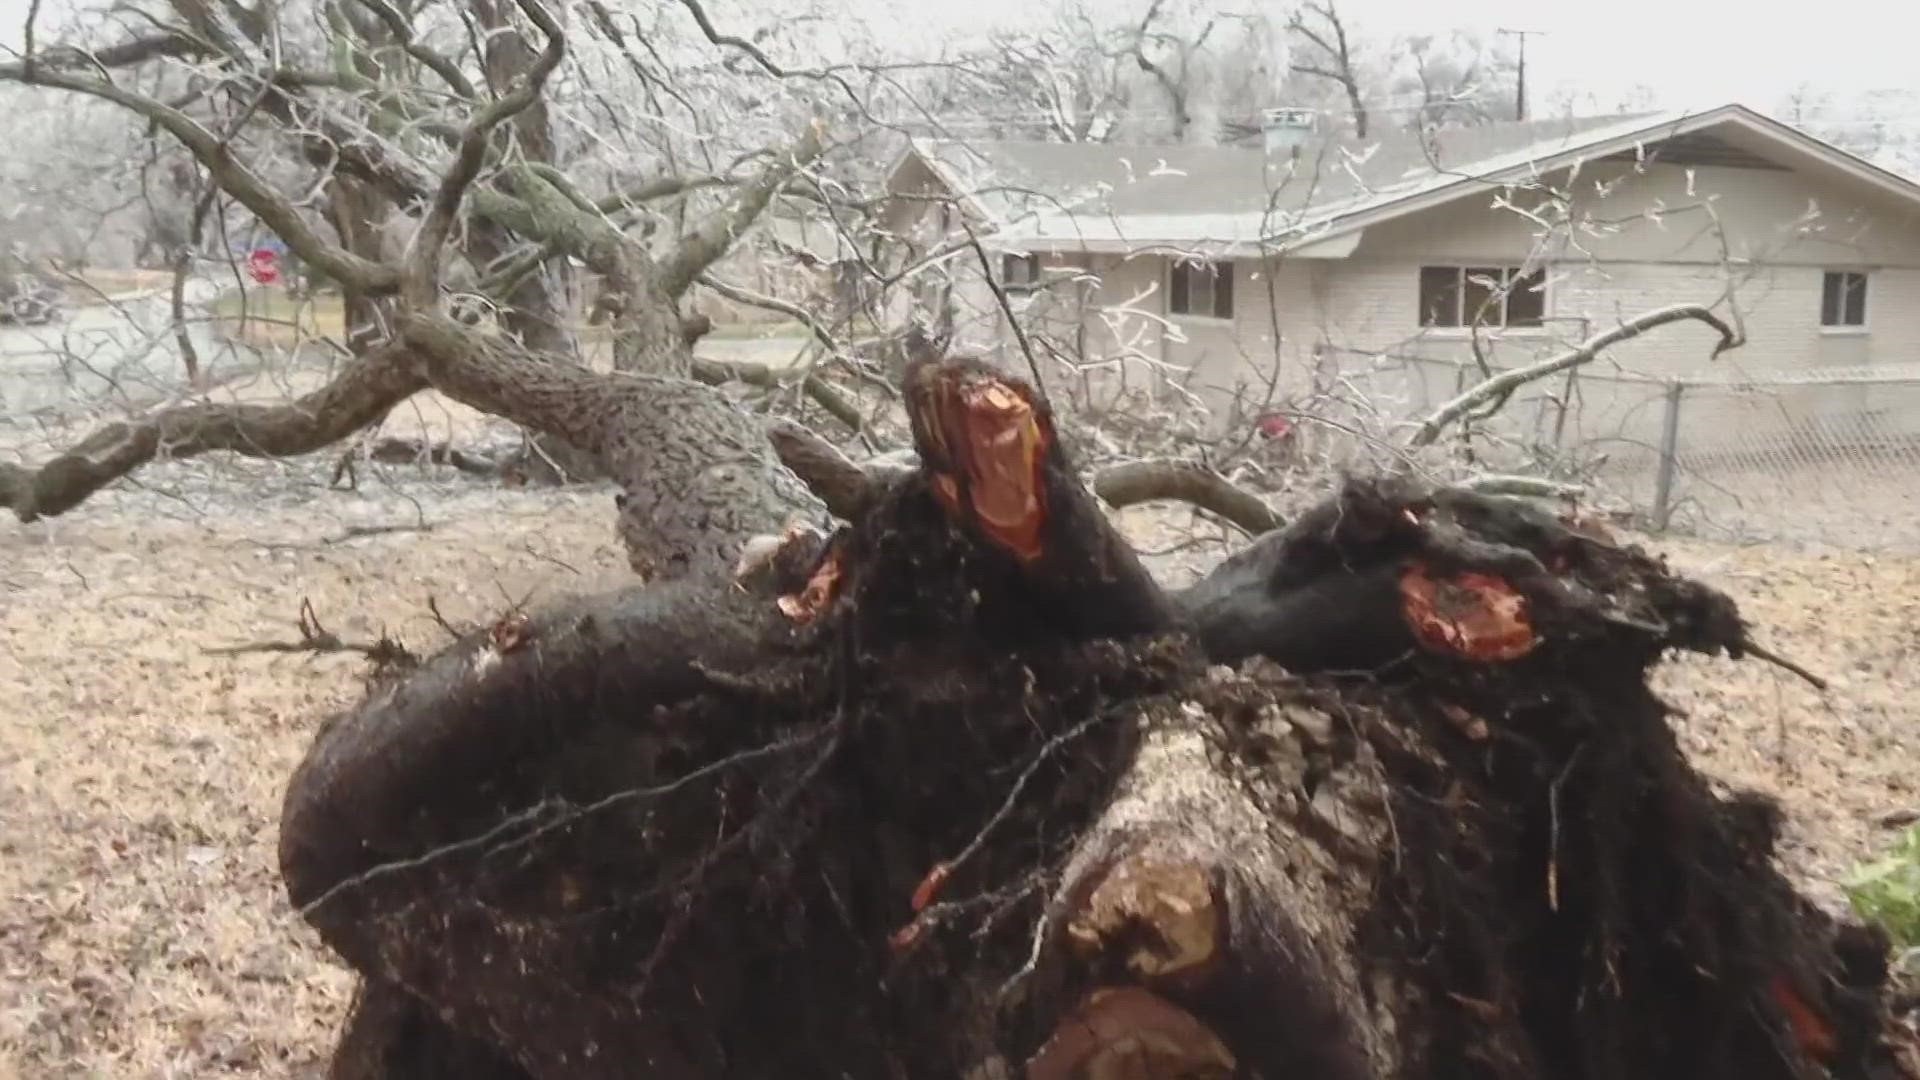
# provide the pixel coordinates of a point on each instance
(697, 475)
(958, 791)
(357, 213)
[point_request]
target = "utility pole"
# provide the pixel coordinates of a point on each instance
(1520, 94)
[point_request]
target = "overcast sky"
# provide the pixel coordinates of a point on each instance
(1692, 53)
(1689, 52)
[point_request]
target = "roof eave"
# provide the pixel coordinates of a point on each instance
(968, 201)
(1171, 246)
(1335, 224)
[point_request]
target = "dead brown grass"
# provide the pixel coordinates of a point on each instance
(90, 284)
(142, 929)
(270, 317)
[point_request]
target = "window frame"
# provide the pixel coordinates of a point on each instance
(1468, 282)
(1181, 276)
(1840, 302)
(1011, 259)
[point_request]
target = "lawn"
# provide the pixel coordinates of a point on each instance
(269, 315)
(89, 285)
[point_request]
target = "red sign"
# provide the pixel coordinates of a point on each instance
(263, 266)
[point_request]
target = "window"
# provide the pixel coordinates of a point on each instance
(1020, 273)
(1204, 289)
(1843, 299)
(1482, 296)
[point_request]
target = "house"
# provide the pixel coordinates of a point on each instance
(792, 256)
(1250, 274)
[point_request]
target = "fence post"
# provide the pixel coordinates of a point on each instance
(1669, 457)
(1566, 402)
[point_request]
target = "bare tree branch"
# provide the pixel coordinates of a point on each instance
(125, 54)
(658, 188)
(1006, 307)
(697, 472)
(1506, 382)
(385, 654)
(1176, 94)
(714, 372)
(245, 185)
(708, 240)
(422, 278)
(366, 388)
(740, 295)
(1339, 52)
(403, 33)
(1134, 482)
(848, 487)
(759, 57)
(1532, 487)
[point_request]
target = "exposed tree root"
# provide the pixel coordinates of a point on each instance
(959, 792)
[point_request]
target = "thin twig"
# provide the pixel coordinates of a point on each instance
(433, 608)
(1761, 652)
(317, 639)
(1006, 307)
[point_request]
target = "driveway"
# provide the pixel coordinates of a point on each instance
(122, 353)
(774, 352)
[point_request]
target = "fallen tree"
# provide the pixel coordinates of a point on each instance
(960, 791)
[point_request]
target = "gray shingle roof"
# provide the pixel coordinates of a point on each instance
(1235, 194)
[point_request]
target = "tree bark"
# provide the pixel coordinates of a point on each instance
(697, 475)
(537, 311)
(357, 211)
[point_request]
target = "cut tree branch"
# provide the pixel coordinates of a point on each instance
(1505, 383)
(848, 489)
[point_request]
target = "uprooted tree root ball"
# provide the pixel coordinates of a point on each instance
(959, 791)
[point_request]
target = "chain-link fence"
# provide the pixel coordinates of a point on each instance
(1829, 457)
